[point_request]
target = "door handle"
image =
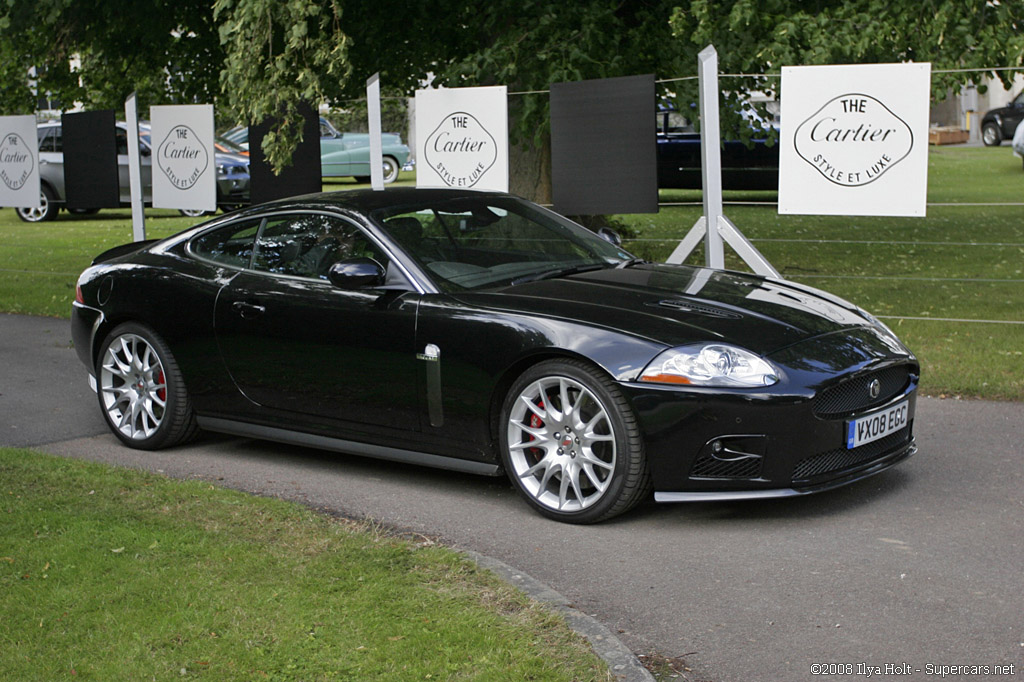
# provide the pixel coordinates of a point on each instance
(247, 310)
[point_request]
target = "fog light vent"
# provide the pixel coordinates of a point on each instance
(730, 457)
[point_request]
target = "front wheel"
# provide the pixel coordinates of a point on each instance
(991, 135)
(571, 444)
(141, 391)
(47, 209)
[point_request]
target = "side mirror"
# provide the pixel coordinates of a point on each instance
(610, 235)
(356, 273)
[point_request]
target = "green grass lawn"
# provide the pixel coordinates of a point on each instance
(961, 262)
(114, 574)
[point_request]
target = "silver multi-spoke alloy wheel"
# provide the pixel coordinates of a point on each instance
(141, 390)
(47, 209)
(561, 444)
(133, 387)
(571, 444)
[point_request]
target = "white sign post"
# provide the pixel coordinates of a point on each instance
(19, 162)
(131, 113)
(854, 140)
(376, 145)
(184, 163)
(462, 138)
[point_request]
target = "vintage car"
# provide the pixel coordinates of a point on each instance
(346, 154)
(232, 173)
(478, 332)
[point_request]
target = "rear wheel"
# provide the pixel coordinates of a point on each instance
(47, 210)
(571, 444)
(141, 391)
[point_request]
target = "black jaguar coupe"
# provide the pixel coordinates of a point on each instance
(478, 332)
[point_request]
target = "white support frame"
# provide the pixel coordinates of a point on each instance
(713, 226)
(131, 117)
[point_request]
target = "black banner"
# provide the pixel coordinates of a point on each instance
(604, 146)
(302, 177)
(90, 160)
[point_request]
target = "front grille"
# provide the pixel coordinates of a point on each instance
(841, 459)
(854, 396)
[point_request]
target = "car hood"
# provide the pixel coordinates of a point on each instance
(676, 305)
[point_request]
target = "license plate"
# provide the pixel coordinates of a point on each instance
(877, 425)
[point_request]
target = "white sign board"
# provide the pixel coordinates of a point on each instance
(854, 140)
(184, 165)
(462, 138)
(19, 162)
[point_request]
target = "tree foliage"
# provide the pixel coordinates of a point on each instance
(97, 52)
(280, 53)
(761, 36)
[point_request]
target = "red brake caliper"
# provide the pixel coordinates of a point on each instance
(162, 391)
(535, 423)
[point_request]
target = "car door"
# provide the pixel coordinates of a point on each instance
(335, 156)
(297, 344)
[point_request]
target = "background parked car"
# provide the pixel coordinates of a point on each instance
(232, 173)
(679, 159)
(346, 154)
(999, 124)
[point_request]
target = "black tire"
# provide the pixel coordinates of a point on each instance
(580, 462)
(141, 391)
(991, 135)
(47, 210)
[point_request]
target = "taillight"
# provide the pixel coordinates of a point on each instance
(78, 294)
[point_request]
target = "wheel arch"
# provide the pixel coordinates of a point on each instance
(516, 370)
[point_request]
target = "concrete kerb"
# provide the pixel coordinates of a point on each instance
(622, 662)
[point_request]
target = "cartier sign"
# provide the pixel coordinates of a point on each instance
(19, 165)
(854, 139)
(184, 157)
(460, 150)
(462, 138)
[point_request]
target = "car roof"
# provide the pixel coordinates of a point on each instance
(365, 200)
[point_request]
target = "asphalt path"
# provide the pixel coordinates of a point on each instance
(918, 568)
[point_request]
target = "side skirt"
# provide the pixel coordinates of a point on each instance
(346, 446)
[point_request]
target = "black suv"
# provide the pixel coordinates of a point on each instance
(999, 124)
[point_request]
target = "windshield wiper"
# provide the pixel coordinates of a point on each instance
(630, 263)
(559, 272)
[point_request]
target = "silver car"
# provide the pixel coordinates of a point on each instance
(232, 174)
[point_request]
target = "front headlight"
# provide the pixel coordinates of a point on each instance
(710, 365)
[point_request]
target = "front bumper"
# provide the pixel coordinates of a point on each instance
(707, 445)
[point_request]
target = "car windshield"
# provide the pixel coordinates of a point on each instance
(487, 241)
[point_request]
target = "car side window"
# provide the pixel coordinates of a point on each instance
(230, 245)
(307, 244)
(46, 140)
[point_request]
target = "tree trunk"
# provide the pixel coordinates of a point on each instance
(530, 169)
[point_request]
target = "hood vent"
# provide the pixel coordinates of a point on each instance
(696, 308)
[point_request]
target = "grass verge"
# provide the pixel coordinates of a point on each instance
(109, 573)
